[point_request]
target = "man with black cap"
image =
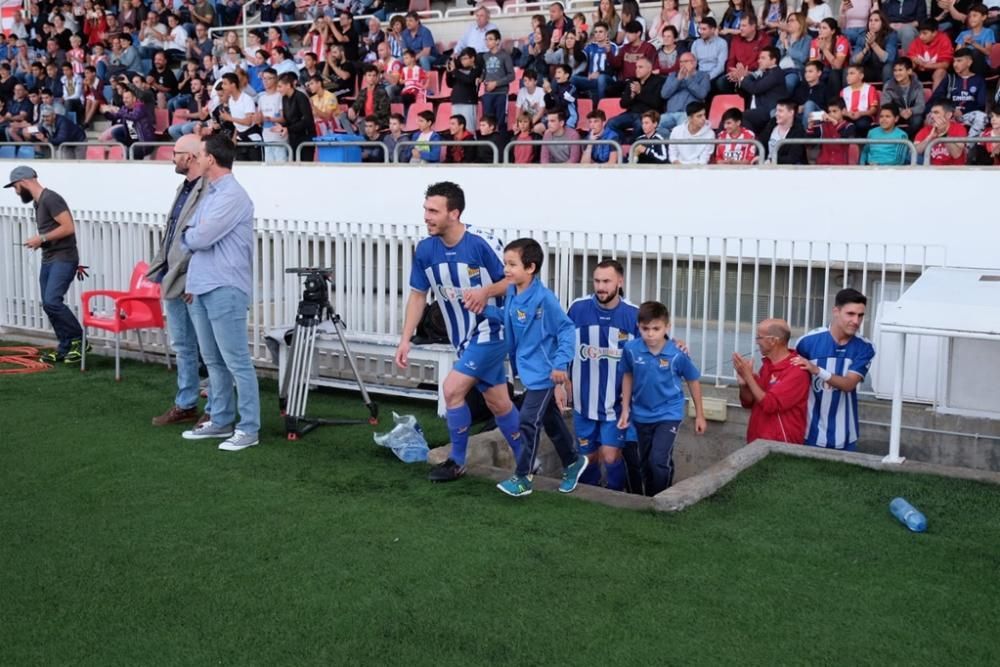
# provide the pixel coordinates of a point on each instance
(57, 239)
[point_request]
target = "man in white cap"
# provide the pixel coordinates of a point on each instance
(57, 239)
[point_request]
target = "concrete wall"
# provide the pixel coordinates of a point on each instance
(885, 205)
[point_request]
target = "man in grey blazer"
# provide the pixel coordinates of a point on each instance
(169, 268)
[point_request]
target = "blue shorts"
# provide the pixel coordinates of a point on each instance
(592, 434)
(486, 362)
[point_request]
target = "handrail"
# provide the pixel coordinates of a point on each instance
(341, 144)
(564, 142)
(245, 23)
(819, 142)
(430, 15)
(954, 140)
(33, 144)
(446, 142)
(88, 144)
(466, 12)
(524, 6)
(633, 159)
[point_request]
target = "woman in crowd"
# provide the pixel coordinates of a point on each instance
(696, 11)
(772, 16)
(879, 48)
(606, 13)
(832, 49)
(793, 45)
(569, 52)
(670, 14)
(730, 24)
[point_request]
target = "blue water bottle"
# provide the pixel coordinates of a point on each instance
(908, 515)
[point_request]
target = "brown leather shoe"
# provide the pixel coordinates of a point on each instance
(176, 415)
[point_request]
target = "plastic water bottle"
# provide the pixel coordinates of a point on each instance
(406, 439)
(908, 515)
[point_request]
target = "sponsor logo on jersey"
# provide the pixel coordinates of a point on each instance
(473, 271)
(624, 335)
(664, 363)
(593, 352)
(520, 315)
(449, 293)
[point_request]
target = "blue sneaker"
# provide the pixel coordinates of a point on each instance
(516, 486)
(571, 474)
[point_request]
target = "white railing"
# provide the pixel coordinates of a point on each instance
(716, 288)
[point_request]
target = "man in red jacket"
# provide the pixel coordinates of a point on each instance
(778, 395)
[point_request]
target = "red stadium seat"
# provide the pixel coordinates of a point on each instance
(164, 154)
(116, 153)
(162, 117)
(432, 83)
(611, 106)
(927, 94)
(411, 115)
(583, 107)
(442, 90)
(512, 116)
(97, 153)
(720, 105)
(853, 154)
(443, 115)
(397, 107)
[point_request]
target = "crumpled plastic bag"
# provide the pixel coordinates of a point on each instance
(406, 439)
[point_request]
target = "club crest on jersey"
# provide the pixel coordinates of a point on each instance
(623, 335)
(449, 293)
(664, 363)
(595, 353)
(520, 315)
(583, 441)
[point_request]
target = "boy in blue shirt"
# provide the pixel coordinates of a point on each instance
(886, 154)
(540, 343)
(652, 395)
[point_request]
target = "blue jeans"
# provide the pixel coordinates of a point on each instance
(656, 454)
(182, 101)
(621, 123)
(180, 129)
(808, 108)
(220, 320)
(539, 411)
(669, 121)
(184, 340)
(495, 104)
(598, 85)
(54, 280)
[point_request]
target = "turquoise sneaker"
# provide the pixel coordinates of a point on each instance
(572, 473)
(516, 486)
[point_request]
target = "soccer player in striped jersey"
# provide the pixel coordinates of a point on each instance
(838, 359)
(604, 322)
(464, 269)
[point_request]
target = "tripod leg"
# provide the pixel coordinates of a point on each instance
(372, 408)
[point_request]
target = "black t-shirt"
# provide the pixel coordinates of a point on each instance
(165, 78)
(49, 205)
(7, 89)
(335, 83)
(352, 47)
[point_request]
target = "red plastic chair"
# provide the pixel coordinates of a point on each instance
(138, 308)
(720, 105)
(411, 115)
(116, 153)
(162, 118)
(164, 154)
(97, 153)
(583, 107)
(444, 114)
(611, 106)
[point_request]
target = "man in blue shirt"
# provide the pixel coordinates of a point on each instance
(599, 153)
(418, 38)
(218, 290)
(710, 50)
(604, 323)
(653, 368)
(599, 76)
(838, 359)
(540, 344)
(463, 270)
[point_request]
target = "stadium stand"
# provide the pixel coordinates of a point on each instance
(141, 74)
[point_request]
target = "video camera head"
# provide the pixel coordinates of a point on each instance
(314, 289)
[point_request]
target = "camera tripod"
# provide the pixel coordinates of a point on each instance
(314, 309)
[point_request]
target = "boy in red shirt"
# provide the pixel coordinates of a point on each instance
(932, 53)
(732, 128)
(833, 126)
(860, 99)
(779, 394)
(941, 123)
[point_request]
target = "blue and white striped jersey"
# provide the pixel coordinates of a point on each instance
(600, 336)
(475, 261)
(832, 413)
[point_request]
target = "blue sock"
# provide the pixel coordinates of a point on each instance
(459, 420)
(510, 425)
(616, 474)
(592, 475)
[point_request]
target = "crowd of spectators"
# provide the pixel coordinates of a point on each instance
(898, 71)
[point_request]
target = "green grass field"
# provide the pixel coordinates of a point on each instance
(124, 544)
